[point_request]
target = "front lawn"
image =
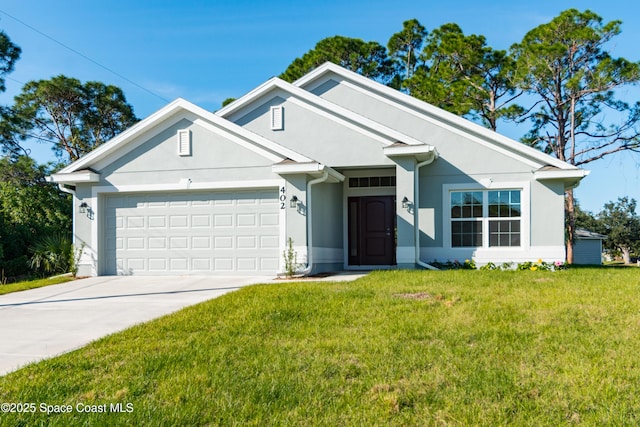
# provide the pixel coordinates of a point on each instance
(32, 284)
(394, 348)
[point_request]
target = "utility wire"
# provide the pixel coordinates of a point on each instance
(85, 57)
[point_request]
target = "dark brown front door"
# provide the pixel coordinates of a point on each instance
(372, 230)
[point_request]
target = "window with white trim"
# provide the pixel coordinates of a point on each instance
(475, 213)
(504, 217)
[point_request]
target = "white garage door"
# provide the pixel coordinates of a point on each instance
(192, 233)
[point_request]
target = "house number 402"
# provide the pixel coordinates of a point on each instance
(283, 197)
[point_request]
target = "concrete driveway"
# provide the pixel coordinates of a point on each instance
(45, 322)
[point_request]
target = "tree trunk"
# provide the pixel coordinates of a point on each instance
(571, 224)
(626, 254)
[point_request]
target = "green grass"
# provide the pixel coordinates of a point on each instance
(32, 284)
(394, 348)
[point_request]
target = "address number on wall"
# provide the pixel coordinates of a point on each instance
(283, 198)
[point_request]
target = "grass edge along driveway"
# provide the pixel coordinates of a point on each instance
(33, 284)
(393, 348)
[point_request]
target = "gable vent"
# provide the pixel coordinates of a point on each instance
(277, 118)
(184, 142)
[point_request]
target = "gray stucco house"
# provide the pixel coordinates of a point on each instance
(357, 174)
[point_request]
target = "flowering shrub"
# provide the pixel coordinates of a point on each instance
(527, 266)
(538, 265)
(455, 265)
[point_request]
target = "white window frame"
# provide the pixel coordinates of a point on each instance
(523, 187)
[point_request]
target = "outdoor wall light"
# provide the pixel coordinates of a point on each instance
(83, 207)
(293, 202)
(405, 202)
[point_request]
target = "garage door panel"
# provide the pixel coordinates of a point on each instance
(178, 221)
(135, 243)
(201, 264)
(246, 264)
(179, 264)
(246, 242)
(223, 242)
(269, 242)
(201, 242)
(223, 220)
(180, 242)
(157, 264)
(246, 220)
(268, 219)
(157, 221)
(203, 221)
(192, 232)
(157, 243)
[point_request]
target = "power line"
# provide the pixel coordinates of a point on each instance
(85, 57)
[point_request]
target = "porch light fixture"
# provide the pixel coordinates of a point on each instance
(83, 207)
(405, 202)
(293, 203)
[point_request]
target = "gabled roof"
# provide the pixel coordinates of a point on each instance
(378, 131)
(428, 112)
(235, 133)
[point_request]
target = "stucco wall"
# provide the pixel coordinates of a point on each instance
(213, 158)
(314, 134)
(472, 163)
(327, 227)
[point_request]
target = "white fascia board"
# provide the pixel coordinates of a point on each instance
(561, 174)
(74, 177)
(430, 113)
(333, 111)
(293, 168)
(312, 168)
(421, 152)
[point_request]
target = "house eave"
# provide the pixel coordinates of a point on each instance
(313, 169)
(571, 177)
(74, 177)
(420, 152)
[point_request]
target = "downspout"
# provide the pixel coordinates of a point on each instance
(416, 204)
(309, 267)
(73, 209)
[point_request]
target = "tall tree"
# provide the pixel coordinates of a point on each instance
(73, 117)
(565, 64)
(367, 58)
(9, 54)
(30, 208)
(463, 75)
(621, 224)
(404, 47)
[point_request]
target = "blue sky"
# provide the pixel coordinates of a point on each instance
(207, 51)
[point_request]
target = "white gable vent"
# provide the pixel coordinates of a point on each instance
(184, 142)
(277, 118)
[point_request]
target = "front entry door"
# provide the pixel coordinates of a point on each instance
(372, 230)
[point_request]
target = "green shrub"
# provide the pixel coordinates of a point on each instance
(52, 254)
